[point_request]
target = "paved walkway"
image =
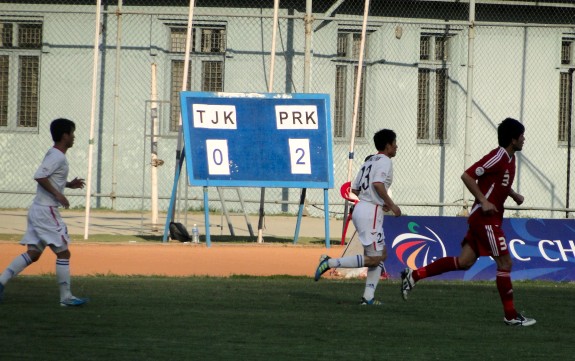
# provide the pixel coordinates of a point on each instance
(134, 223)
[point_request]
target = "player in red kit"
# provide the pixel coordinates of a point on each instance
(489, 180)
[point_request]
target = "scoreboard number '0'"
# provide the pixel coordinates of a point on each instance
(299, 156)
(218, 160)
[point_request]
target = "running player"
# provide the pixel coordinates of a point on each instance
(45, 225)
(370, 185)
(489, 180)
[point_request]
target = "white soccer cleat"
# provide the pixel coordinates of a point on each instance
(520, 320)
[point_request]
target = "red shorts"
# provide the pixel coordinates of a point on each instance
(486, 240)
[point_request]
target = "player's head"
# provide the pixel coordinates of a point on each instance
(384, 137)
(508, 130)
(61, 126)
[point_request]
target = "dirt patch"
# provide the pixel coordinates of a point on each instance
(178, 259)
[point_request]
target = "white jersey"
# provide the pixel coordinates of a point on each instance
(377, 169)
(55, 168)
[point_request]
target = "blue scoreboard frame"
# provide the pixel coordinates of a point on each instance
(257, 139)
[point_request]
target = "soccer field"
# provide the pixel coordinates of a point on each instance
(279, 318)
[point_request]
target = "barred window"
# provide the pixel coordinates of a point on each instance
(432, 88)
(565, 83)
(4, 66)
(212, 76)
(30, 36)
(20, 51)
(423, 104)
(176, 88)
(347, 52)
(28, 99)
(566, 52)
(340, 100)
(206, 67)
(360, 122)
(567, 67)
(6, 34)
(213, 41)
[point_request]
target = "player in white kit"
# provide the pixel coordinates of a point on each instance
(45, 225)
(371, 186)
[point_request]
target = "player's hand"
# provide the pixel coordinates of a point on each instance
(518, 198)
(396, 210)
(488, 208)
(76, 183)
(63, 200)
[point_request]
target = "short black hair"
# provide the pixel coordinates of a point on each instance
(509, 129)
(60, 126)
(383, 137)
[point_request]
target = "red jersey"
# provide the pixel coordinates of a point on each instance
(494, 174)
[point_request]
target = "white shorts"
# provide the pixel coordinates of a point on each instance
(46, 227)
(368, 221)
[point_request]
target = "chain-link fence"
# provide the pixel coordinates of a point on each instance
(442, 74)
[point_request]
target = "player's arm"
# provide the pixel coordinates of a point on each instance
(45, 183)
(380, 189)
(518, 198)
(473, 187)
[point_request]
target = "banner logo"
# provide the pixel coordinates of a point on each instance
(417, 250)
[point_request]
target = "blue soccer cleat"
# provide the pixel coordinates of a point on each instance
(322, 267)
(73, 302)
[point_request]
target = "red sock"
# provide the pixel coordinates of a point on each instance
(442, 265)
(505, 288)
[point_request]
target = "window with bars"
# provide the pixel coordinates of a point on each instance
(432, 88)
(20, 49)
(348, 51)
(566, 92)
(208, 47)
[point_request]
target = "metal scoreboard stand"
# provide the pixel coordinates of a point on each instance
(257, 140)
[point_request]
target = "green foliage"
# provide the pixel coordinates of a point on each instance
(279, 318)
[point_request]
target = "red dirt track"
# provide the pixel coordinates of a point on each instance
(177, 259)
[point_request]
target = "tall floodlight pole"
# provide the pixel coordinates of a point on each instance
(357, 90)
(270, 89)
(189, 32)
(356, 104)
(92, 118)
(469, 99)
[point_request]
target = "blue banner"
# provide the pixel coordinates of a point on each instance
(541, 249)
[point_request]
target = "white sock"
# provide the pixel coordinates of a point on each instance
(346, 262)
(17, 266)
(373, 274)
(63, 276)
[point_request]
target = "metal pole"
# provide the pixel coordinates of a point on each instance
(92, 117)
(270, 89)
(357, 89)
(569, 121)
(469, 99)
(155, 163)
(184, 88)
(116, 103)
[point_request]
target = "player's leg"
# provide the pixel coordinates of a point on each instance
(33, 253)
(55, 233)
(504, 284)
(363, 222)
(464, 261)
(377, 256)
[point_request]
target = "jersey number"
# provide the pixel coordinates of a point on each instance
(365, 177)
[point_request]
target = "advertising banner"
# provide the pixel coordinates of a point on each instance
(541, 249)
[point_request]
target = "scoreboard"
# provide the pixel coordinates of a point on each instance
(257, 139)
